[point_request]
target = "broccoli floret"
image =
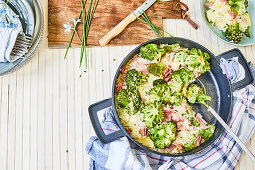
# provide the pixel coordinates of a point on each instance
(177, 76)
(171, 48)
(233, 33)
(194, 122)
(175, 86)
(156, 94)
(195, 93)
(198, 60)
(189, 146)
(192, 92)
(181, 55)
(247, 32)
(122, 98)
(133, 79)
(159, 82)
(129, 100)
(163, 134)
(152, 114)
(193, 51)
(202, 98)
(183, 75)
(160, 92)
(246, 3)
(152, 52)
(163, 92)
(207, 134)
(156, 69)
(238, 6)
(175, 98)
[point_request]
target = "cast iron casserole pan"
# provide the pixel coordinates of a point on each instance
(217, 86)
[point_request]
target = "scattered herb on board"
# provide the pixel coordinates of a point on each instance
(87, 17)
(153, 27)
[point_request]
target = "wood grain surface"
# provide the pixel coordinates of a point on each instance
(108, 14)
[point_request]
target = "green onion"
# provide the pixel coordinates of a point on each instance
(70, 42)
(153, 27)
(87, 17)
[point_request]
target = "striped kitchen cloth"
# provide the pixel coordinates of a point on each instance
(222, 154)
(10, 27)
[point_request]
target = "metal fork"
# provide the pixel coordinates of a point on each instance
(22, 45)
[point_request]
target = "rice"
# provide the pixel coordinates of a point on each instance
(219, 14)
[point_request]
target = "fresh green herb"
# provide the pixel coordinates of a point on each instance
(67, 151)
(153, 12)
(80, 75)
(74, 30)
(114, 59)
(102, 70)
(153, 27)
(126, 126)
(87, 16)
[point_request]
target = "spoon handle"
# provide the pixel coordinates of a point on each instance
(222, 122)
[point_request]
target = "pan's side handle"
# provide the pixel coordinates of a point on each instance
(93, 109)
(248, 79)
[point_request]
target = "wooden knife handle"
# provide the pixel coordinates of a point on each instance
(117, 29)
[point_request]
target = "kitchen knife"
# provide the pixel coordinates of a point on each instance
(124, 23)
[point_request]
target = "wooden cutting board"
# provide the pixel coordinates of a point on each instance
(108, 14)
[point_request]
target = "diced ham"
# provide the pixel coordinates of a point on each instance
(226, 1)
(232, 14)
(140, 65)
(180, 126)
(180, 147)
(198, 140)
(183, 107)
(176, 117)
(124, 69)
(197, 74)
(201, 121)
(120, 85)
(143, 69)
(168, 114)
(208, 5)
(168, 73)
(121, 82)
(183, 126)
(129, 131)
(171, 148)
(143, 131)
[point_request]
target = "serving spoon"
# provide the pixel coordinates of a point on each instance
(229, 130)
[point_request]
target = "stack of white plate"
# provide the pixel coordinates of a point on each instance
(31, 16)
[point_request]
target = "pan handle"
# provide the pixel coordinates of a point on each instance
(248, 74)
(93, 109)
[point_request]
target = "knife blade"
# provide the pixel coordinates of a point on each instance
(125, 22)
(147, 4)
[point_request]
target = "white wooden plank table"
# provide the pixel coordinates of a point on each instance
(44, 122)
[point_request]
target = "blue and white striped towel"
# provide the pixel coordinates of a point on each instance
(10, 27)
(222, 154)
